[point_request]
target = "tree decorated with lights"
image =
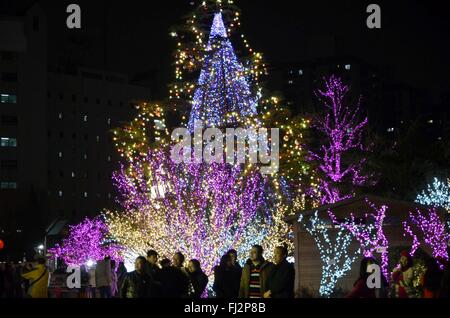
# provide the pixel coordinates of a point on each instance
(191, 40)
(223, 97)
(343, 133)
(428, 229)
(334, 249)
(147, 130)
(203, 211)
(369, 233)
(436, 194)
(87, 241)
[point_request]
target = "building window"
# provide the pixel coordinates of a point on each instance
(348, 67)
(108, 121)
(109, 158)
(300, 72)
(73, 174)
(98, 138)
(391, 130)
(291, 82)
(60, 193)
(8, 99)
(8, 185)
(60, 154)
(85, 195)
(8, 142)
(60, 116)
(85, 156)
(85, 118)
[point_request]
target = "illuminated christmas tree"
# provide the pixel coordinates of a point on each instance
(223, 97)
(342, 131)
(191, 40)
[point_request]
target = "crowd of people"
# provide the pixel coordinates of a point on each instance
(258, 278)
(154, 278)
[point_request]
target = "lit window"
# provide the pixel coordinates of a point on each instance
(85, 156)
(60, 116)
(291, 82)
(8, 99)
(109, 158)
(108, 121)
(60, 194)
(8, 185)
(60, 154)
(300, 72)
(85, 194)
(98, 138)
(73, 174)
(348, 67)
(391, 130)
(431, 121)
(8, 142)
(85, 118)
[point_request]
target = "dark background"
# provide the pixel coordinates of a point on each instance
(133, 36)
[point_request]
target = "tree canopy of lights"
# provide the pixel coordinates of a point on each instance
(429, 229)
(334, 249)
(223, 96)
(436, 194)
(191, 40)
(342, 132)
(369, 233)
(146, 130)
(87, 241)
(201, 210)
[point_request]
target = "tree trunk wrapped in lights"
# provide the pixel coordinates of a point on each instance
(334, 249)
(343, 133)
(369, 233)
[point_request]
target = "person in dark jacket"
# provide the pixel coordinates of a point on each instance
(280, 282)
(223, 278)
(237, 272)
(137, 284)
(255, 274)
(198, 278)
(152, 260)
(173, 281)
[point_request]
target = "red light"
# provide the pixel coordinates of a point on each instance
(2, 245)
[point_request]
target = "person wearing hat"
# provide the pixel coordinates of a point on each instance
(402, 276)
(38, 280)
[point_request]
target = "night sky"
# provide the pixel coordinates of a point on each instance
(413, 41)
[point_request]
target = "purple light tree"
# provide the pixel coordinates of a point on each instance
(369, 234)
(343, 132)
(432, 231)
(202, 209)
(87, 241)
